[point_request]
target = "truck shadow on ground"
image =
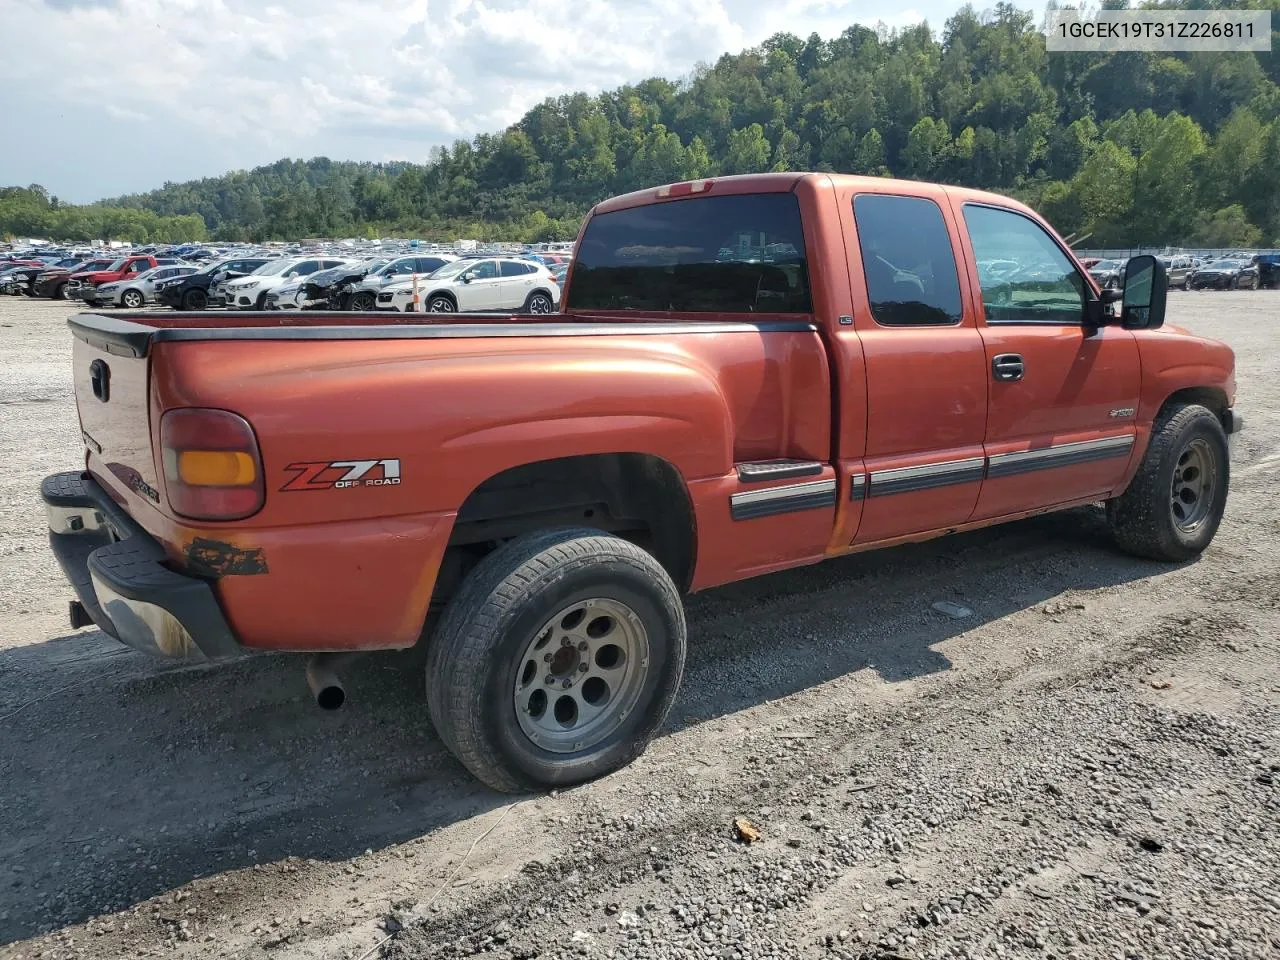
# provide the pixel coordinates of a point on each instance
(123, 778)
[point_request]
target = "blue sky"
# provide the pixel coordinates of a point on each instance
(116, 96)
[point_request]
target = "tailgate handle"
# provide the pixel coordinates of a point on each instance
(100, 379)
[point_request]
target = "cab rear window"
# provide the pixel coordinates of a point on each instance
(733, 254)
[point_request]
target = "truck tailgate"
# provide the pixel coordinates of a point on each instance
(113, 401)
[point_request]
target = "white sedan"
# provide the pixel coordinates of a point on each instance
(477, 286)
(136, 290)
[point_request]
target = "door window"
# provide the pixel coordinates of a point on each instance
(484, 270)
(907, 260)
(1045, 286)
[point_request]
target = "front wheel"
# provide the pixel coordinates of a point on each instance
(132, 299)
(1174, 504)
(364, 300)
(195, 299)
(557, 661)
(441, 304)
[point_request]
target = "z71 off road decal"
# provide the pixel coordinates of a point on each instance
(335, 474)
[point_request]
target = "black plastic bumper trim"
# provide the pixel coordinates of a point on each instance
(133, 567)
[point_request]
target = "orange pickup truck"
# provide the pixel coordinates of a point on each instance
(747, 374)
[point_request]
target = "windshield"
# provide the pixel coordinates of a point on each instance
(117, 265)
(452, 269)
(1106, 265)
(1223, 265)
(273, 267)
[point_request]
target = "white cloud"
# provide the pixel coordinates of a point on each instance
(129, 93)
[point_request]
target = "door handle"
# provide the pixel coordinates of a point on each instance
(1007, 367)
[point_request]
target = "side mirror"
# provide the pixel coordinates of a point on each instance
(466, 278)
(1146, 287)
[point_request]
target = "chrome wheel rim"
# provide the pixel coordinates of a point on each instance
(1195, 477)
(581, 675)
(440, 305)
(132, 300)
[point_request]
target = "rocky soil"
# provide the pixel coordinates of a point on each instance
(1084, 763)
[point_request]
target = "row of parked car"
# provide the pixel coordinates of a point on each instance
(1192, 273)
(437, 283)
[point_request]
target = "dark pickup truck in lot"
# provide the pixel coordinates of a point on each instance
(747, 374)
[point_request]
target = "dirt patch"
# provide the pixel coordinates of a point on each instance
(1088, 764)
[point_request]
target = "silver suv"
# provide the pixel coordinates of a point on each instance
(1180, 268)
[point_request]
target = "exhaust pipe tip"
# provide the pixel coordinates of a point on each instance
(324, 683)
(331, 697)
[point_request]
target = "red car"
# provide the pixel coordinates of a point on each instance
(52, 284)
(120, 269)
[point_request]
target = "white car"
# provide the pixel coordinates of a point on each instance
(293, 295)
(250, 293)
(136, 290)
(365, 293)
(477, 286)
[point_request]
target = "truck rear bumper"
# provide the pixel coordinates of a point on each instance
(118, 572)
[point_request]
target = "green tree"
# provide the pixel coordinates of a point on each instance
(1228, 227)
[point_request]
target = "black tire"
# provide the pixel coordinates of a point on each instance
(1143, 518)
(475, 656)
(539, 302)
(261, 303)
(60, 292)
(1186, 284)
(132, 299)
(441, 303)
(364, 300)
(195, 299)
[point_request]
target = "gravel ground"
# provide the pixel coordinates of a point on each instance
(1087, 765)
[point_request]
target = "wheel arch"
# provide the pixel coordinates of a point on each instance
(1214, 398)
(641, 497)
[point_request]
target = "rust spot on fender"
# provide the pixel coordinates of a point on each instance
(213, 558)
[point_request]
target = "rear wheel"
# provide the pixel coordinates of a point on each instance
(195, 299)
(539, 302)
(1175, 502)
(557, 660)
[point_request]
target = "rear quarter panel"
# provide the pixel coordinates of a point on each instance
(355, 567)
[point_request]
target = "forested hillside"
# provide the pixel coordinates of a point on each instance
(1128, 148)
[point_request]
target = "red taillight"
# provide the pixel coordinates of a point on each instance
(212, 468)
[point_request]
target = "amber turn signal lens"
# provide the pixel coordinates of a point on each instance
(216, 468)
